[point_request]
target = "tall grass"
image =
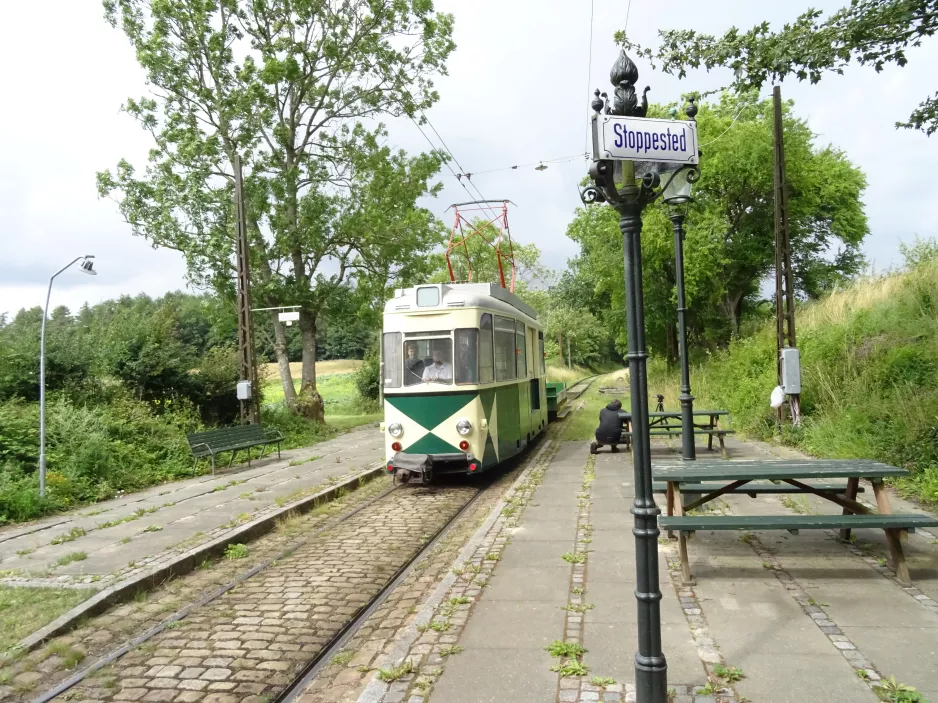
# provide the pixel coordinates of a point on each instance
(869, 363)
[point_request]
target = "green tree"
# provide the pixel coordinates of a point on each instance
(294, 89)
(729, 245)
(870, 32)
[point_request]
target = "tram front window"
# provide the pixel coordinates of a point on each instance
(428, 361)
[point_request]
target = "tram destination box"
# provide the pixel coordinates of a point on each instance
(644, 139)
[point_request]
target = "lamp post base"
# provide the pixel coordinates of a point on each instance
(651, 681)
(688, 446)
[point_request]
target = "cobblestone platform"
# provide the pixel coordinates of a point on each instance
(772, 619)
(129, 534)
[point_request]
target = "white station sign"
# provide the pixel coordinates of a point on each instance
(644, 139)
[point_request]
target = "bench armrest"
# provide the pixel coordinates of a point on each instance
(273, 434)
(202, 444)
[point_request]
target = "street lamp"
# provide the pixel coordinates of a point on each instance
(608, 170)
(677, 195)
(87, 266)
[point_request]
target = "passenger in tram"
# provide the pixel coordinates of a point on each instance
(610, 427)
(440, 371)
(413, 364)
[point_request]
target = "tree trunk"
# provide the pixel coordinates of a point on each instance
(732, 309)
(671, 350)
(309, 402)
(283, 361)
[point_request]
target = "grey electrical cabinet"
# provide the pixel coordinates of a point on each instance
(791, 371)
(244, 390)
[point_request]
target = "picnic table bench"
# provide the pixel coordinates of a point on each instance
(232, 439)
(800, 476)
(668, 424)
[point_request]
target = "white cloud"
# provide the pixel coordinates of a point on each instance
(517, 92)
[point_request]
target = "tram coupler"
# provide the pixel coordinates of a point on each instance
(412, 468)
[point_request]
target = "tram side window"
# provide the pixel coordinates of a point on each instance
(521, 352)
(486, 360)
(467, 356)
(391, 359)
(504, 348)
(543, 364)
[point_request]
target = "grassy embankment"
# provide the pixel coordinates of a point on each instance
(869, 377)
(336, 382)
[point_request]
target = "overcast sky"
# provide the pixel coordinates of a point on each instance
(517, 92)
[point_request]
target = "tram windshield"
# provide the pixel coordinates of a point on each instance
(428, 361)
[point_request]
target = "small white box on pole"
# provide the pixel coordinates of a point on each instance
(244, 390)
(791, 371)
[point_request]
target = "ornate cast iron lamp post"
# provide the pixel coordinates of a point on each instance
(630, 200)
(677, 196)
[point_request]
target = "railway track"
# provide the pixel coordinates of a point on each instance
(270, 631)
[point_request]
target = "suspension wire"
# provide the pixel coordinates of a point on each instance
(589, 74)
(555, 160)
(456, 161)
(628, 11)
(732, 124)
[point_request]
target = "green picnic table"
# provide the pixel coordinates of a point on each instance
(667, 423)
(802, 476)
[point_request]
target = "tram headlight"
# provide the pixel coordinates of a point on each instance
(464, 427)
(395, 429)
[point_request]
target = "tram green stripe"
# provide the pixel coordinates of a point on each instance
(431, 444)
(428, 410)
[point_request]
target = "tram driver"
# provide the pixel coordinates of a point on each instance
(440, 371)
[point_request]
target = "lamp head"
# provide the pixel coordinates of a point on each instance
(677, 189)
(87, 266)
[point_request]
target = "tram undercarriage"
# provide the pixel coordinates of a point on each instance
(422, 469)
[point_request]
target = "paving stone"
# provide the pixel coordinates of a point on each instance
(193, 684)
(188, 697)
(163, 683)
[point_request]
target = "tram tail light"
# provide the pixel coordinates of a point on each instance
(390, 468)
(396, 446)
(473, 466)
(464, 445)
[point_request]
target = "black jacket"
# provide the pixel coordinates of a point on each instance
(610, 426)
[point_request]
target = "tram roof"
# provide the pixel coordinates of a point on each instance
(460, 295)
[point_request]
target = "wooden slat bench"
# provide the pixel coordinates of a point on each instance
(892, 524)
(232, 439)
(753, 489)
(719, 434)
(805, 476)
(668, 424)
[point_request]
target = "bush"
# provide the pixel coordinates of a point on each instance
(297, 430)
(92, 452)
(368, 378)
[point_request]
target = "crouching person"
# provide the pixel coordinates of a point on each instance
(610, 428)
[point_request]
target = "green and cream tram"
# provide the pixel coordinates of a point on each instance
(464, 379)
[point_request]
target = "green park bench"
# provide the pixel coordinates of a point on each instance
(703, 481)
(232, 439)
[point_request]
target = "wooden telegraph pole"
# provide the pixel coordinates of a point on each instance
(784, 280)
(246, 367)
(560, 347)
